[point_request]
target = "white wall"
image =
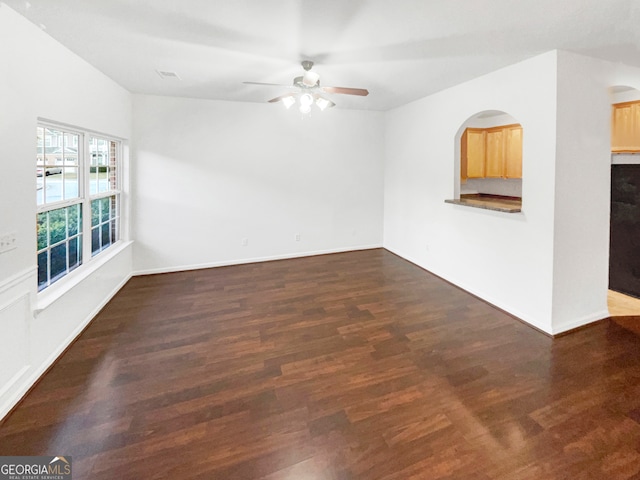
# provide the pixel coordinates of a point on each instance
(209, 173)
(507, 259)
(582, 197)
(42, 79)
(583, 173)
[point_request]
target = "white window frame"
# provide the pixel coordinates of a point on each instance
(85, 198)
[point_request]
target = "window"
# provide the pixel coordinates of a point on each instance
(78, 199)
(104, 195)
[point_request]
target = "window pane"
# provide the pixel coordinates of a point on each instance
(39, 145)
(103, 179)
(53, 184)
(39, 186)
(58, 261)
(100, 160)
(57, 225)
(40, 165)
(74, 259)
(75, 219)
(53, 147)
(70, 149)
(57, 165)
(95, 240)
(51, 140)
(41, 226)
(106, 235)
(53, 227)
(71, 183)
(93, 180)
(104, 209)
(95, 213)
(42, 269)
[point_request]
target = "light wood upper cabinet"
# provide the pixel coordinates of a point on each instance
(513, 152)
(495, 153)
(491, 152)
(473, 153)
(625, 127)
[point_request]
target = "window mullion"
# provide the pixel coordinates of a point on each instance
(86, 201)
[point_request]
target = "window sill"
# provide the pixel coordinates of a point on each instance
(59, 289)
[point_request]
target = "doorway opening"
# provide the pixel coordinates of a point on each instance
(624, 243)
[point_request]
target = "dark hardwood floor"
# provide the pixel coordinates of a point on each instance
(348, 366)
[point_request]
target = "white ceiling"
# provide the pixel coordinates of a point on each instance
(400, 50)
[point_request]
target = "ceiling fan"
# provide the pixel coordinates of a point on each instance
(308, 91)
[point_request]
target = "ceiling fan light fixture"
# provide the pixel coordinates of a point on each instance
(323, 103)
(306, 100)
(310, 79)
(288, 101)
(307, 91)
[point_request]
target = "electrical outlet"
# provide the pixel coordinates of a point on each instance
(297, 237)
(8, 242)
(244, 242)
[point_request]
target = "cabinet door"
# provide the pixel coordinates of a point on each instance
(495, 154)
(513, 153)
(621, 127)
(625, 128)
(475, 153)
(634, 135)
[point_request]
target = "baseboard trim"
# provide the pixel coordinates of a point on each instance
(243, 261)
(579, 324)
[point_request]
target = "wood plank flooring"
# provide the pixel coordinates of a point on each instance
(348, 366)
(621, 305)
(624, 310)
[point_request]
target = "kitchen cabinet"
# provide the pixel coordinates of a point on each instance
(473, 153)
(495, 153)
(513, 152)
(625, 127)
(491, 152)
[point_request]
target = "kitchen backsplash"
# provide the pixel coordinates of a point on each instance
(509, 187)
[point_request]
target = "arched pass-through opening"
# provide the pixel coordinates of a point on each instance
(488, 162)
(624, 245)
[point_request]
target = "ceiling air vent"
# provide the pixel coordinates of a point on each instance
(166, 74)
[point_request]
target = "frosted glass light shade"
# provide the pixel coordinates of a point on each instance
(288, 101)
(323, 103)
(306, 100)
(310, 79)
